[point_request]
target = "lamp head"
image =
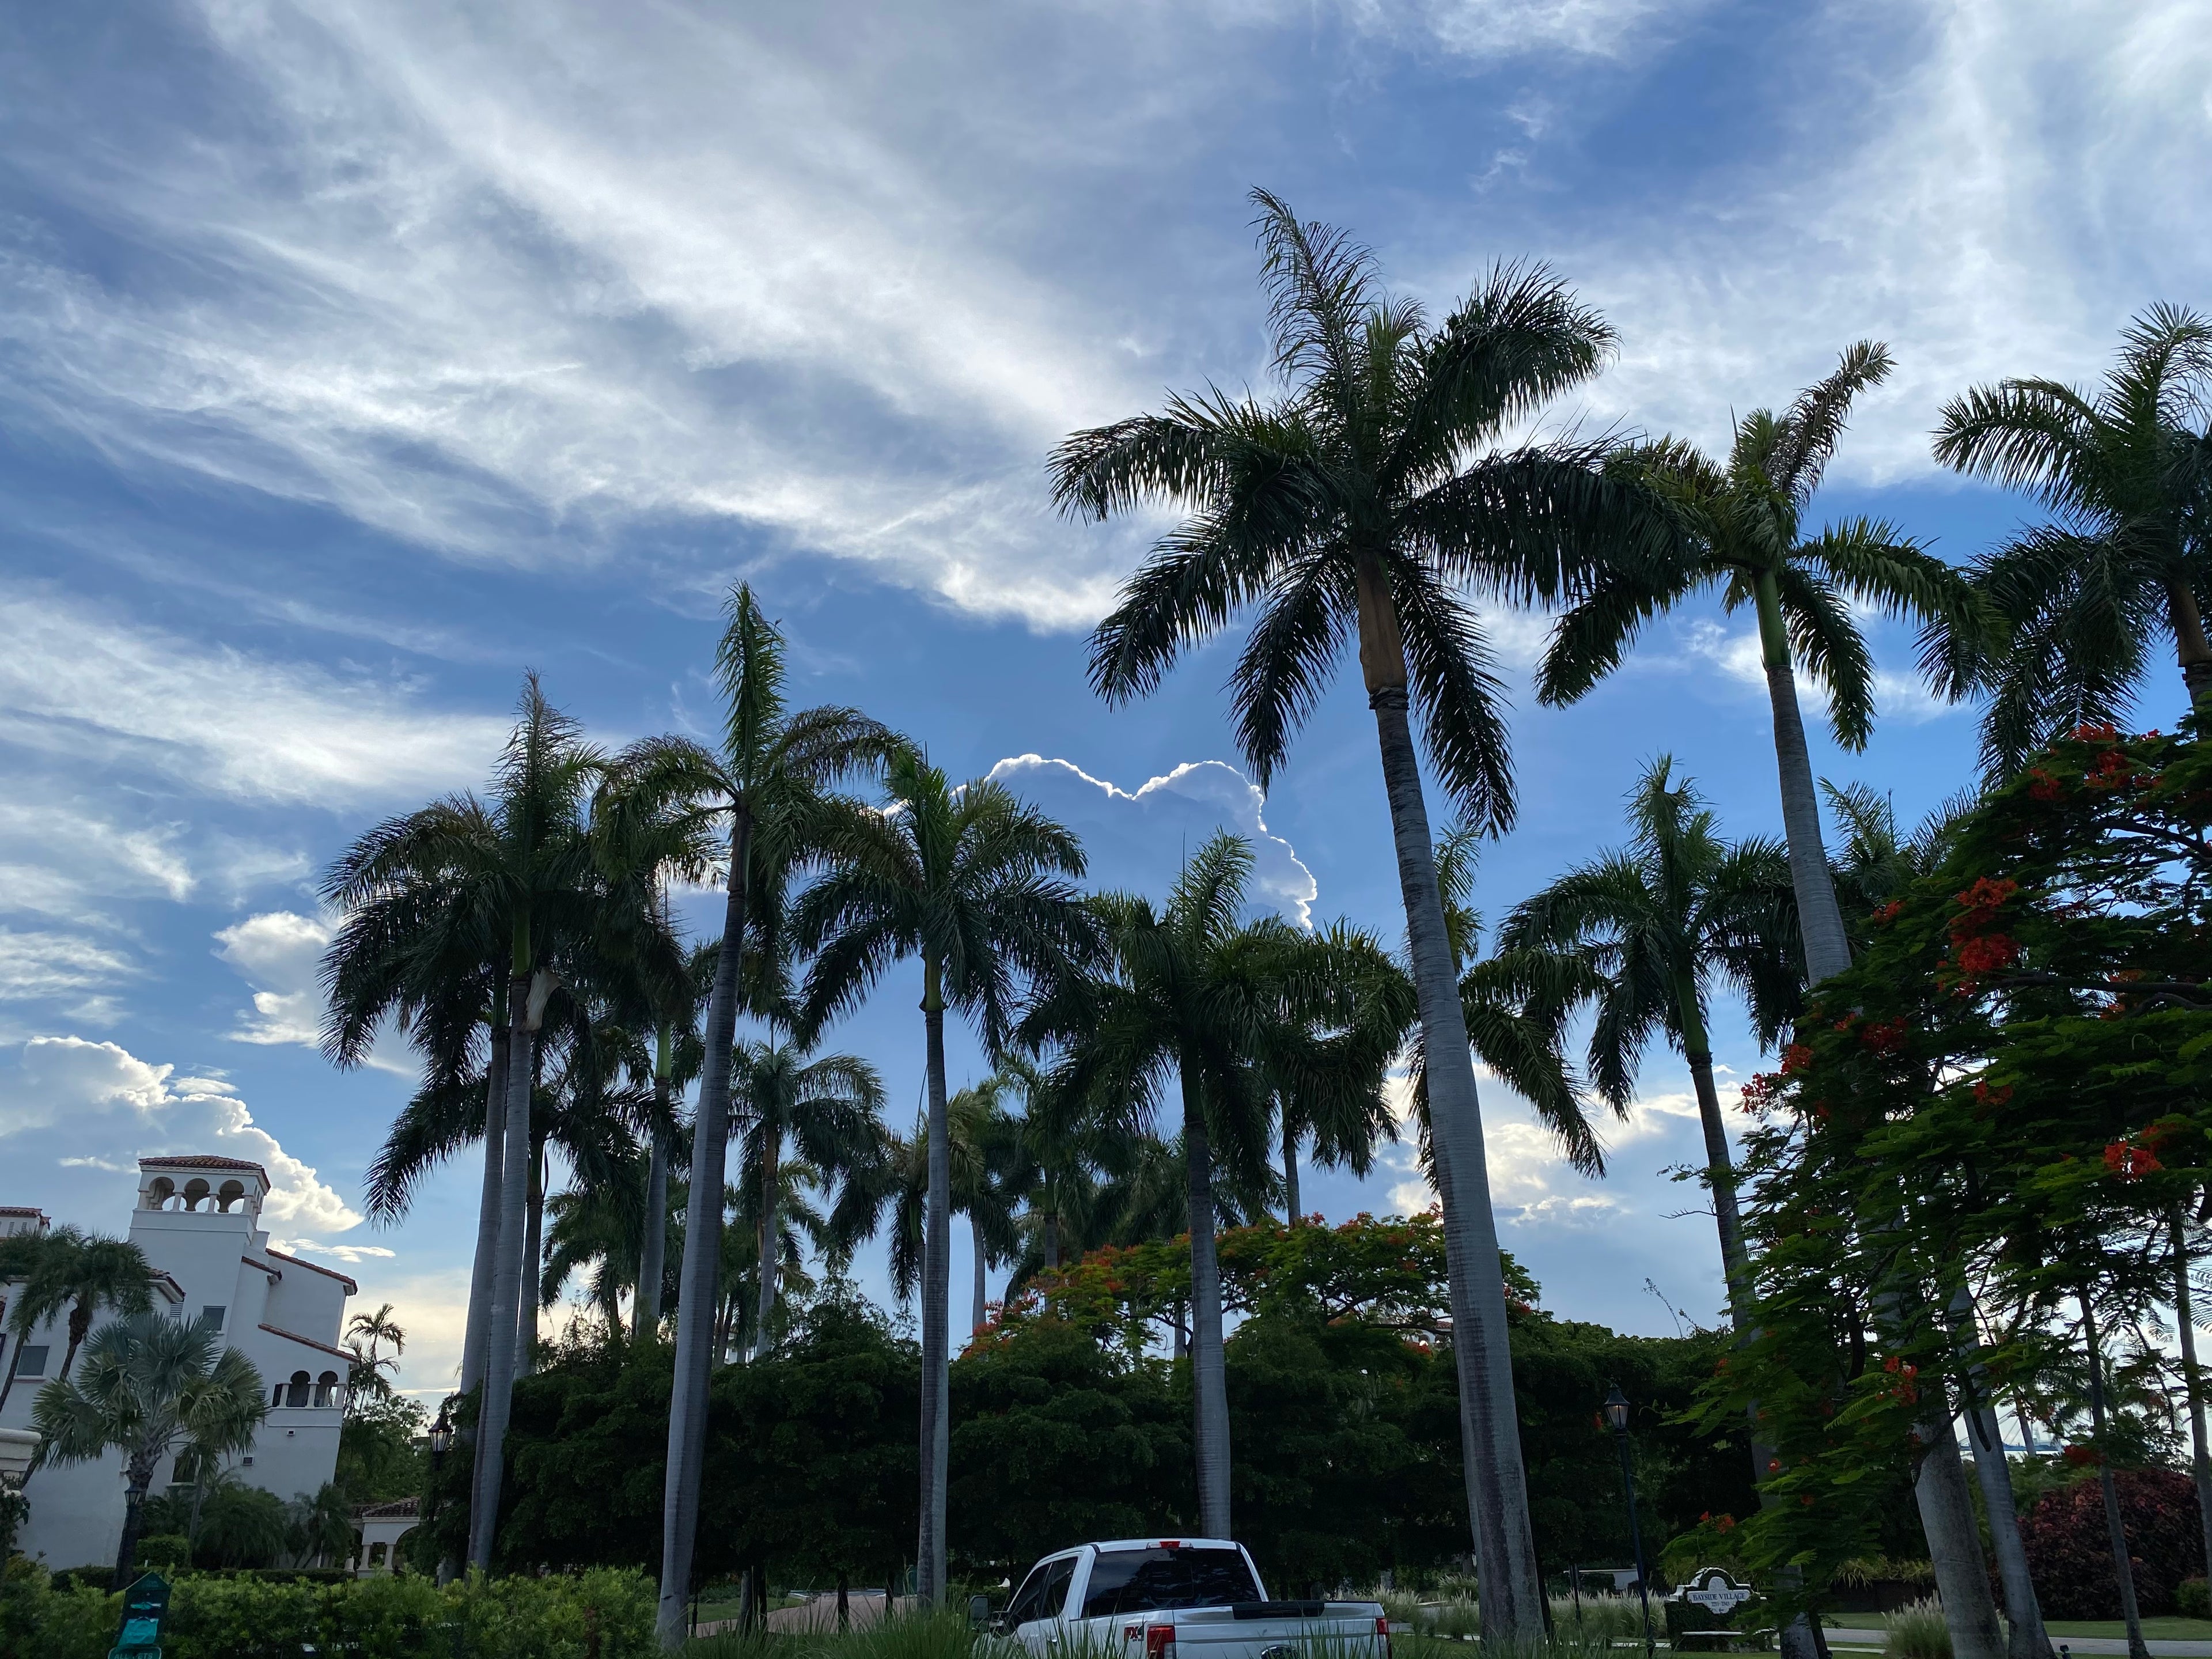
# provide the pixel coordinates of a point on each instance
(1616, 1410)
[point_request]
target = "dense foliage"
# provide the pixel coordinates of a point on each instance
(2068, 1549)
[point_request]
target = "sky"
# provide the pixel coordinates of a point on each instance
(357, 357)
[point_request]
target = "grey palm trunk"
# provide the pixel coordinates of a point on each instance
(1208, 1374)
(645, 1312)
(979, 1300)
(1947, 1515)
(533, 1236)
(2025, 1636)
(1292, 1213)
(495, 1142)
(764, 1294)
(699, 1288)
(936, 1314)
(2192, 1382)
(508, 1271)
(2124, 1572)
(1497, 1482)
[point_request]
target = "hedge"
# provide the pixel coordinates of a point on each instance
(2069, 1548)
(602, 1613)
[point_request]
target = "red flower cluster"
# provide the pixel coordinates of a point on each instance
(1987, 954)
(1886, 1038)
(2096, 734)
(1888, 913)
(1978, 953)
(1985, 1095)
(1905, 1388)
(1795, 1058)
(2044, 785)
(2131, 1159)
(1758, 1094)
(2082, 1457)
(2114, 771)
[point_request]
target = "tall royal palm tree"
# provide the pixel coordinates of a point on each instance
(151, 1388)
(81, 1272)
(513, 881)
(761, 783)
(2080, 602)
(829, 1111)
(974, 883)
(1661, 921)
(1744, 532)
(1364, 498)
(1197, 998)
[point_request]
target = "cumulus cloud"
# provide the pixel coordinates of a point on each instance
(71, 1090)
(1138, 840)
(278, 950)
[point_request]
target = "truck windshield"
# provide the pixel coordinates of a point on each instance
(1140, 1581)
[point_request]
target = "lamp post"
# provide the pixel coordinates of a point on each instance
(1616, 1414)
(441, 1441)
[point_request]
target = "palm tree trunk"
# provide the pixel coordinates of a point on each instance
(1209, 1383)
(1052, 1240)
(2192, 1382)
(509, 1270)
(533, 1238)
(2190, 646)
(134, 1520)
(977, 1300)
(80, 1324)
(936, 1355)
(1292, 1215)
(2124, 1572)
(652, 1249)
(488, 1206)
(1513, 1608)
(764, 1299)
(1820, 921)
(2024, 1635)
(702, 1258)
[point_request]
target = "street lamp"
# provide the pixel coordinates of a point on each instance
(441, 1441)
(442, 1438)
(1616, 1416)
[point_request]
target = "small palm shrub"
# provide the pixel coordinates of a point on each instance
(1917, 1631)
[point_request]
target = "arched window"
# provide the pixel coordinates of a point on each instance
(161, 1190)
(296, 1395)
(228, 1195)
(327, 1388)
(196, 1193)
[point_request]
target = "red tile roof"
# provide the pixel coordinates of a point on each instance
(306, 1341)
(352, 1289)
(203, 1161)
(401, 1508)
(21, 1209)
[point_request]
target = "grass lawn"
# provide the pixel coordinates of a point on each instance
(2154, 1630)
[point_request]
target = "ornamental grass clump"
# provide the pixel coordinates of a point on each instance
(1917, 1631)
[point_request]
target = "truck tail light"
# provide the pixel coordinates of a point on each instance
(1159, 1641)
(1382, 1630)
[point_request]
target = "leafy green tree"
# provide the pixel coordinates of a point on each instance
(1364, 498)
(151, 1388)
(1660, 922)
(1199, 998)
(763, 781)
(974, 883)
(70, 1269)
(240, 1525)
(1744, 532)
(2080, 602)
(379, 1460)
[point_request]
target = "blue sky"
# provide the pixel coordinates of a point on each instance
(354, 356)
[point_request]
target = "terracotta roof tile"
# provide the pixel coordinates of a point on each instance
(203, 1161)
(345, 1279)
(306, 1341)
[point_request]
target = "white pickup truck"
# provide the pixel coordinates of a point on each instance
(1177, 1598)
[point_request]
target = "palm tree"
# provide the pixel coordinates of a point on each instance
(830, 1110)
(70, 1269)
(367, 1335)
(1364, 498)
(1660, 922)
(596, 1225)
(151, 1388)
(1194, 994)
(2080, 601)
(518, 877)
(972, 882)
(770, 767)
(1744, 531)
(990, 1176)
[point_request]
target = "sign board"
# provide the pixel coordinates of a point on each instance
(145, 1605)
(1711, 1610)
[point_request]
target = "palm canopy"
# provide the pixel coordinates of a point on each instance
(1743, 533)
(991, 1174)
(1367, 495)
(1661, 919)
(2126, 474)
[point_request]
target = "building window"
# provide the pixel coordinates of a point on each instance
(296, 1393)
(31, 1359)
(276, 1395)
(211, 1318)
(327, 1388)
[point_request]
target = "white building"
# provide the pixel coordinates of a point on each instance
(197, 1219)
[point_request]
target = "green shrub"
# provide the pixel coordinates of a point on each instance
(1917, 1631)
(2192, 1600)
(165, 1553)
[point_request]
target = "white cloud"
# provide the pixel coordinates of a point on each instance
(279, 951)
(76, 686)
(352, 1255)
(100, 1092)
(49, 964)
(1139, 840)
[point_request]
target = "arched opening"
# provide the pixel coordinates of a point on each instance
(376, 1555)
(327, 1388)
(196, 1193)
(229, 1193)
(296, 1394)
(159, 1193)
